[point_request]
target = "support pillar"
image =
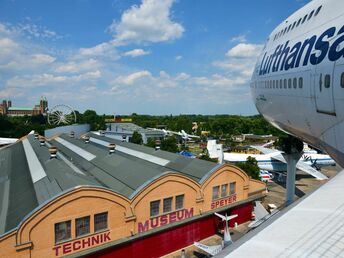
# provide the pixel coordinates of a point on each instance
(292, 160)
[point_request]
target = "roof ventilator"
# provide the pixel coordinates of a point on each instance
(87, 139)
(36, 135)
(53, 152)
(41, 140)
(157, 144)
(112, 148)
(72, 134)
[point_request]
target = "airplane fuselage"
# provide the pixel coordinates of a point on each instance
(267, 162)
(298, 82)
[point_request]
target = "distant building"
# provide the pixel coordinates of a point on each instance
(6, 108)
(124, 132)
(98, 197)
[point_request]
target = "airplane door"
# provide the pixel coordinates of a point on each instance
(323, 88)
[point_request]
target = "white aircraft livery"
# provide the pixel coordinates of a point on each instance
(298, 81)
(298, 85)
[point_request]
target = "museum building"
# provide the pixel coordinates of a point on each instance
(94, 196)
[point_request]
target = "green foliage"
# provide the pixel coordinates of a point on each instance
(150, 143)
(136, 138)
(90, 117)
(250, 167)
(169, 144)
(207, 158)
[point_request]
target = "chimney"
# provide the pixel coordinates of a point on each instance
(87, 139)
(41, 140)
(112, 148)
(72, 134)
(9, 103)
(53, 152)
(157, 144)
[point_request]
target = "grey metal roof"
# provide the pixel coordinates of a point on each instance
(29, 177)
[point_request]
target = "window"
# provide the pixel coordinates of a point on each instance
(100, 221)
(224, 190)
(270, 84)
(232, 187)
(310, 15)
(342, 80)
(289, 83)
(82, 226)
(154, 208)
(273, 83)
(167, 205)
(300, 82)
(304, 18)
(281, 84)
(298, 22)
(285, 83)
(179, 202)
(62, 231)
(289, 28)
(293, 25)
(276, 84)
(216, 192)
(327, 82)
(318, 10)
(295, 83)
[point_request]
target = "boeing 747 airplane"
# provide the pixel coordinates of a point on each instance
(298, 86)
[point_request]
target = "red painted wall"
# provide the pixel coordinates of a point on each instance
(173, 239)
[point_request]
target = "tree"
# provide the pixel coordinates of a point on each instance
(136, 138)
(169, 144)
(250, 167)
(151, 143)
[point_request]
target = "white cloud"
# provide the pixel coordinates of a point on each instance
(239, 38)
(42, 59)
(46, 79)
(106, 49)
(136, 52)
(78, 66)
(240, 59)
(179, 58)
(244, 50)
(150, 22)
(132, 78)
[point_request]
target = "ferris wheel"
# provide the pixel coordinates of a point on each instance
(61, 114)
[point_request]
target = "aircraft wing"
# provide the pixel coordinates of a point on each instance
(300, 165)
(7, 140)
(212, 250)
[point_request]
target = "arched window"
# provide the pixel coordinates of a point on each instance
(281, 84)
(285, 83)
(289, 83)
(295, 83)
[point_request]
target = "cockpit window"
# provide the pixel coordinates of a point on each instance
(304, 18)
(318, 10)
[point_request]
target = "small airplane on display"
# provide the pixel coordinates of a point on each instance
(184, 135)
(226, 236)
(212, 250)
(260, 215)
(273, 160)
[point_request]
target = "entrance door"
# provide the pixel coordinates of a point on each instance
(323, 88)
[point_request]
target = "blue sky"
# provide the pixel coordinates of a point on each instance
(126, 56)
